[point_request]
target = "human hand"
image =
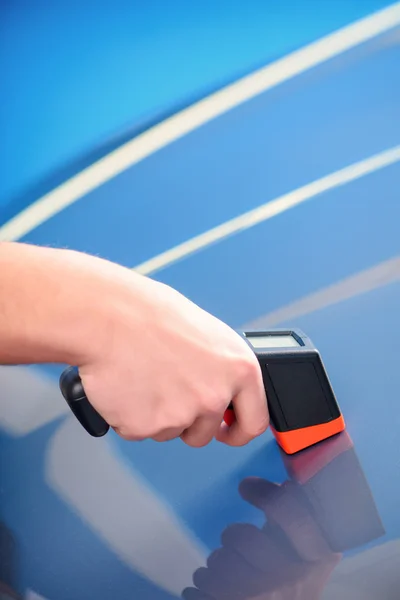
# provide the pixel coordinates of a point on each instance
(153, 364)
(161, 367)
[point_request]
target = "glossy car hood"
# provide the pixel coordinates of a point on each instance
(102, 518)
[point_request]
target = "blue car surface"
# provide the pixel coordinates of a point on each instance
(273, 201)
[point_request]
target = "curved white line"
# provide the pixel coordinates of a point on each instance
(363, 282)
(198, 114)
(271, 209)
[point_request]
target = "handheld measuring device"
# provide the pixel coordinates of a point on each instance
(302, 405)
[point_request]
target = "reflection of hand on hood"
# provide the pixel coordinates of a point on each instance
(288, 558)
(325, 508)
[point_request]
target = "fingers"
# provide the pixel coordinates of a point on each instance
(168, 435)
(197, 434)
(249, 564)
(198, 418)
(202, 431)
(251, 411)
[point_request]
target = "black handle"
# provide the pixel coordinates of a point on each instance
(72, 389)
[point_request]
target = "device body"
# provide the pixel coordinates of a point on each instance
(302, 405)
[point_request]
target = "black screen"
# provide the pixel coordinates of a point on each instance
(301, 396)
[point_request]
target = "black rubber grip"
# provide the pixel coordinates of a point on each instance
(72, 389)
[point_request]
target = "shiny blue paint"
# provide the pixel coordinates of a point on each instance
(307, 128)
(76, 73)
(283, 139)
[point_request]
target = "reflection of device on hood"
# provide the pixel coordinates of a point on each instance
(302, 405)
(339, 497)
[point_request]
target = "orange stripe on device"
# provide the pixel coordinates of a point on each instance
(298, 439)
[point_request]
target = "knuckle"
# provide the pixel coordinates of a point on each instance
(172, 420)
(186, 418)
(214, 403)
(262, 427)
(247, 368)
(183, 421)
(256, 429)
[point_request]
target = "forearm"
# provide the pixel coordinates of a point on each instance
(47, 310)
(152, 363)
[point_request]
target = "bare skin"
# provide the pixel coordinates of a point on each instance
(153, 363)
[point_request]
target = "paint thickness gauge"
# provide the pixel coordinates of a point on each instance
(302, 405)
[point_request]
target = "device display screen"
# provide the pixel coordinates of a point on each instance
(273, 341)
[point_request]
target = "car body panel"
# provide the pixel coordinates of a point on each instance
(103, 518)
